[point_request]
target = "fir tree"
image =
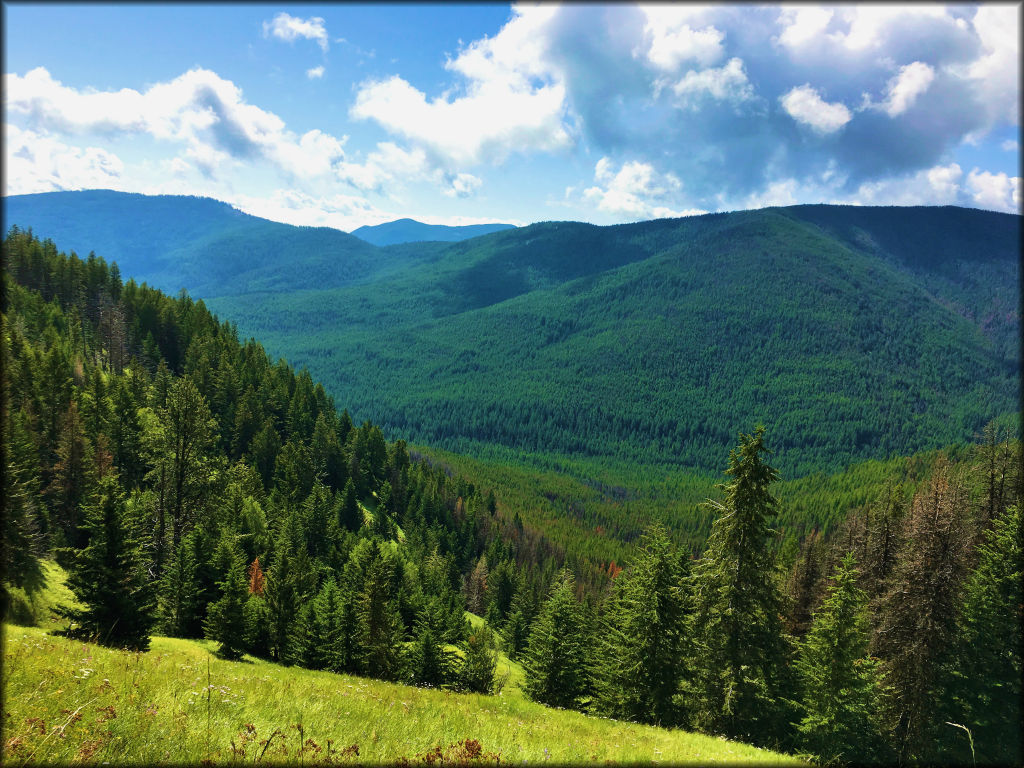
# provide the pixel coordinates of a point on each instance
(381, 631)
(841, 685)
(645, 635)
(225, 620)
(740, 653)
(555, 660)
(479, 661)
(108, 578)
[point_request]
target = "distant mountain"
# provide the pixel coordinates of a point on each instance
(852, 332)
(412, 231)
(203, 245)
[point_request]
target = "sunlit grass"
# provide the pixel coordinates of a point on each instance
(68, 701)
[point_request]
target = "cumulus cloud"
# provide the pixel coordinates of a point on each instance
(903, 90)
(995, 190)
(291, 28)
(673, 41)
(635, 191)
(512, 101)
(727, 83)
(37, 163)
(315, 73)
(805, 105)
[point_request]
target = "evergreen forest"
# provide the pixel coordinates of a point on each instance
(845, 612)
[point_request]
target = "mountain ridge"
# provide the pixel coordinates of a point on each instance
(406, 230)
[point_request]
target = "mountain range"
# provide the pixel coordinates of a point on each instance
(852, 332)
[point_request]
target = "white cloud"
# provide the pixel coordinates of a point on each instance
(291, 28)
(199, 109)
(996, 191)
(513, 99)
(802, 24)
(902, 90)
(315, 73)
(463, 185)
(36, 163)
(726, 83)
(674, 41)
(996, 73)
(805, 105)
(634, 191)
(1010, 145)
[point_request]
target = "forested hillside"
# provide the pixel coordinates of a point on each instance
(194, 488)
(857, 333)
(652, 344)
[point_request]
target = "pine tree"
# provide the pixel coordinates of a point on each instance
(841, 685)
(740, 653)
(644, 635)
(108, 578)
(984, 669)
(350, 517)
(225, 620)
(555, 660)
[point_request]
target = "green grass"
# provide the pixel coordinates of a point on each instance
(68, 701)
(37, 606)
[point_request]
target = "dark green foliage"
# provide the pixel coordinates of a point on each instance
(380, 629)
(476, 673)
(431, 665)
(739, 654)
(841, 685)
(644, 636)
(983, 668)
(179, 591)
(555, 660)
(107, 576)
(534, 337)
(225, 619)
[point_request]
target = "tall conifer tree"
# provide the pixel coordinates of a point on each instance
(740, 654)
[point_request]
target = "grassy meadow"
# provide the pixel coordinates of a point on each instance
(72, 702)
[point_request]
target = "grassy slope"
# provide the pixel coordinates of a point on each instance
(68, 701)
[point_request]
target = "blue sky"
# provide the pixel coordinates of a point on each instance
(344, 114)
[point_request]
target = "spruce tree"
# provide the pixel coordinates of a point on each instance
(479, 661)
(740, 653)
(225, 618)
(644, 635)
(108, 578)
(381, 632)
(841, 685)
(555, 660)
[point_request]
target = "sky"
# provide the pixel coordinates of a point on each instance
(345, 115)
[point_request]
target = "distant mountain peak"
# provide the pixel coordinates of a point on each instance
(411, 231)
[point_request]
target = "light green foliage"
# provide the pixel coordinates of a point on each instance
(160, 714)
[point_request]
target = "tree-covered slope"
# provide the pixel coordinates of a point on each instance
(412, 231)
(656, 342)
(855, 332)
